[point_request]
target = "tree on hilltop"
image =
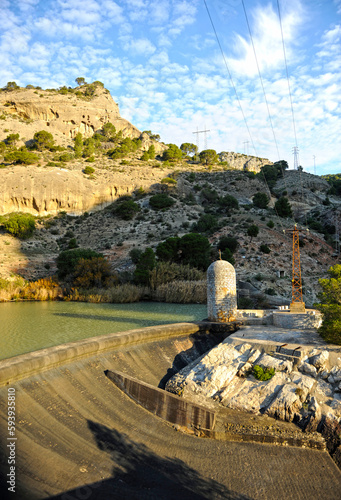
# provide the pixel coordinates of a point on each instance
(11, 86)
(80, 81)
(172, 153)
(189, 149)
(156, 137)
(208, 156)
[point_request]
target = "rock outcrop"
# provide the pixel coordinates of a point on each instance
(51, 190)
(307, 390)
(26, 111)
(244, 162)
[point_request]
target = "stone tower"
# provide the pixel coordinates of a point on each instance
(221, 292)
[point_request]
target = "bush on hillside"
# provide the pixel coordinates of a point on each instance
(161, 201)
(260, 200)
(93, 272)
(126, 209)
(22, 156)
(68, 260)
(283, 208)
(20, 225)
(330, 306)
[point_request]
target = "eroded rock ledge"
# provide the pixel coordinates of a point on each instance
(305, 390)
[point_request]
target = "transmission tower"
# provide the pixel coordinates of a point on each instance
(314, 165)
(295, 153)
(297, 305)
(205, 137)
(246, 147)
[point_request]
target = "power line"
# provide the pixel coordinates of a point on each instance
(230, 76)
(205, 137)
(240, 106)
(261, 80)
(287, 73)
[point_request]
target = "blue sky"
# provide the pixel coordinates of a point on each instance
(163, 65)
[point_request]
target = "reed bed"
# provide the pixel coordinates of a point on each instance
(119, 294)
(182, 292)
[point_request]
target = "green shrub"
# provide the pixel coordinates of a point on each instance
(145, 264)
(21, 156)
(271, 224)
(88, 170)
(72, 243)
(330, 306)
(161, 201)
(93, 272)
(260, 200)
(228, 203)
(195, 250)
(172, 153)
(126, 209)
(228, 242)
(207, 223)
(135, 255)
(253, 231)
(283, 208)
(20, 225)
(43, 140)
(263, 373)
(168, 180)
(228, 255)
(64, 157)
(68, 260)
(192, 249)
(264, 248)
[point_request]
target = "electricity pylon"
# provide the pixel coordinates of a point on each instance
(297, 305)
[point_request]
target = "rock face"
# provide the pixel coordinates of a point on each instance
(27, 111)
(306, 391)
(244, 162)
(50, 190)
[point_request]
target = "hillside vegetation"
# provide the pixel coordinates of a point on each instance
(145, 208)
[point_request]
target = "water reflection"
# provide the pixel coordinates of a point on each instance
(28, 326)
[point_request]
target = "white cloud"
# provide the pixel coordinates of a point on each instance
(267, 40)
(140, 46)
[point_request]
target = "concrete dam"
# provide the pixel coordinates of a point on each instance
(78, 436)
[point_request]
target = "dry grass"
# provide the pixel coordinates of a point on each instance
(119, 294)
(183, 292)
(20, 289)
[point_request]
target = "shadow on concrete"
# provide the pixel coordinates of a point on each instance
(201, 344)
(141, 323)
(140, 474)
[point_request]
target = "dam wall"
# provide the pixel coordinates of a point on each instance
(79, 436)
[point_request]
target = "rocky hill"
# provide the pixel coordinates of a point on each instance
(70, 204)
(26, 111)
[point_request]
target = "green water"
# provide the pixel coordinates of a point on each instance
(29, 326)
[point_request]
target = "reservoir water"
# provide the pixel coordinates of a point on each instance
(29, 326)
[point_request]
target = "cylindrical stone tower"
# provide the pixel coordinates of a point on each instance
(221, 292)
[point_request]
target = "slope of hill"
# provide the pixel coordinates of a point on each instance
(72, 205)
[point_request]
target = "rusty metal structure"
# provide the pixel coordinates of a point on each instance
(297, 304)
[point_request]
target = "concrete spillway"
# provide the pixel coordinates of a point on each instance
(80, 437)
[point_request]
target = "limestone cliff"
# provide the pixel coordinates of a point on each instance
(26, 111)
(244, 162)
(43, 191)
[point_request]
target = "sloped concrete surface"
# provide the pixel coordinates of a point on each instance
(79, 436)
